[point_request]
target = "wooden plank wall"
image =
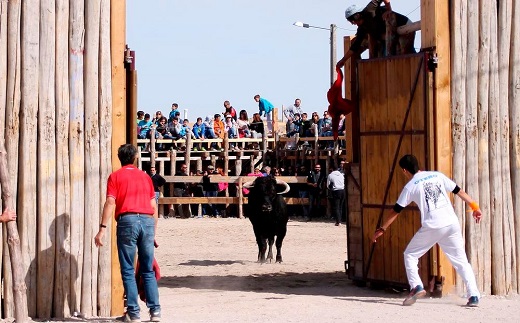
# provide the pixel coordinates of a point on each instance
(384, 92)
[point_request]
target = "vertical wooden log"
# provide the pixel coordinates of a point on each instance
(3, 63)
(92, 158)
(504, 40)
(46, 178)
(213, 160)
(62, 295)
(187, 153)
(240, 197)
(316, 144)
(17, 270)
(264, 146)
(484, 263)
(28, 124)
(251, 163)
(199, 164)
(151, 146)
(472, 230)
(12, 130)
(76, 145)
(104, 297)
(498, 279)
(117, 48)
(225, 143)
(3, 90)
(514, 117)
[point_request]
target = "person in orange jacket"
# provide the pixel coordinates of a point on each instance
(218, 126)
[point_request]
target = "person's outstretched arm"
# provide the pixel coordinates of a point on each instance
(477, 214)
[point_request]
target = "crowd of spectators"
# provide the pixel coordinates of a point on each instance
(235, 125)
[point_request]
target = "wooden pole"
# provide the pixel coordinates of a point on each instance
(12, 124)
(514, 117)
(458, 90)
(46, 178)
(498, 279)
(18, 274)
(28, 120)
(504, 42)
(62, 296)
(187, 153)
(151, 148)
(104, 296)
(484, 263)
(316, 144)
(92, 158)
(119, 130)
(3, 89)
(240, 198)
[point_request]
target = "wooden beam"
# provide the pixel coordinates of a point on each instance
(118, 40)
(435, 34)
(225, 200)
(409, 28)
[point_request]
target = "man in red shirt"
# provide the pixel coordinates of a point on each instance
(131, 197)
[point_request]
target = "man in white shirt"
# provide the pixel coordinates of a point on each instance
(336, 186)
(292, 110)
(439, 224)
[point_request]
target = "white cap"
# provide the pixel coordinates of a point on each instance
(352, 10)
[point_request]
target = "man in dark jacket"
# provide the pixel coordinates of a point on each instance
(316, 181)
(210, 190)
(181, 190)
(381, 25)
(158, 181)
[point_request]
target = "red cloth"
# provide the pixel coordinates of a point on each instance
(140, 282)
(132, 189)
(337, 104)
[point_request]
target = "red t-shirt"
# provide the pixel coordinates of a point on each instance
(132, 189)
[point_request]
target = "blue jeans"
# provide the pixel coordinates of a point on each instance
(210, 209)
(304, 194)
(137, 232)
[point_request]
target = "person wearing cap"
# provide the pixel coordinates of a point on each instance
(381, 25)
(231, 127)
(336, 187)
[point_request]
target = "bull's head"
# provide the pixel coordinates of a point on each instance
(252, 184)
(265, 189)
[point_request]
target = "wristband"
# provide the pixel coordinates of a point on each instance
(474, 206)
(101, 225)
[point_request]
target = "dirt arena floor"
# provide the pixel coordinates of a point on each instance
(209, 274)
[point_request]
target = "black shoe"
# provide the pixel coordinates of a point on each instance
(472, 301)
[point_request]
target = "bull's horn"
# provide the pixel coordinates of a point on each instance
(287, 188)
(250, 184)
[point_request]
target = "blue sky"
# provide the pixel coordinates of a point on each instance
(199, 53)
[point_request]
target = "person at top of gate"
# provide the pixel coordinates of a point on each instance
(439, 224)
(377, 30)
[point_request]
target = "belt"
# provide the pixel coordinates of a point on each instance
(133, 213)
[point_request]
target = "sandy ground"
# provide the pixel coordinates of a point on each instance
(209, 274)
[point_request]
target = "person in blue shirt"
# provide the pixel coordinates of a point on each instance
(199, 129)
(173, 112)
(144, 127)
(266, 107)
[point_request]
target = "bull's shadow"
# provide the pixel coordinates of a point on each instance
(333, 284)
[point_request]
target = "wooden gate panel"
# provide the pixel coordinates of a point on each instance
(385, 90)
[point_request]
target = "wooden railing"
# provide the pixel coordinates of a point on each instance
(238, 180)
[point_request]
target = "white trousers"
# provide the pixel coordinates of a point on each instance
(450, 240)
(269, 118)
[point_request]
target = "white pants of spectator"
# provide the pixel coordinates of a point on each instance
(451, 242)
(269, 119)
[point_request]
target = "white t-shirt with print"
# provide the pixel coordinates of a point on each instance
(429, 190)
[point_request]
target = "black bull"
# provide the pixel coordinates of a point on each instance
(268, 215)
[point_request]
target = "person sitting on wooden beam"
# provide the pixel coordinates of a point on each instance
(377, 30)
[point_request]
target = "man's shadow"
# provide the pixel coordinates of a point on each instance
(57, 271)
